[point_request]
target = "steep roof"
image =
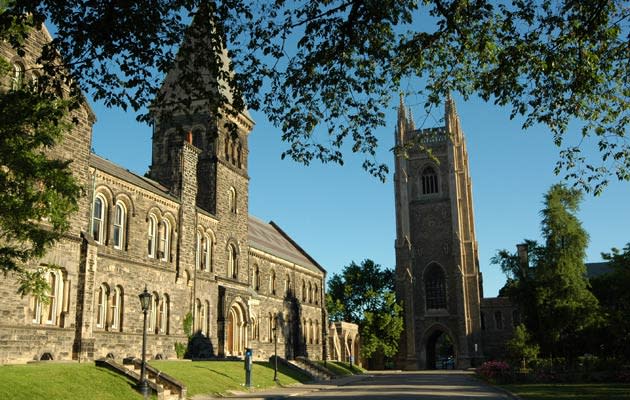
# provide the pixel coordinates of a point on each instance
(269, 238)
(109, 167)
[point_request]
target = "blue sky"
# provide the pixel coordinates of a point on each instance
(340, 214)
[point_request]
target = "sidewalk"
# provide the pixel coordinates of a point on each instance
(287, 391)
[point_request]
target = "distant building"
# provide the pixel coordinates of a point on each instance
(185, 233)
(447, 321)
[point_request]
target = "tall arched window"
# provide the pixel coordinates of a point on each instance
(98, 219)
(256, 278)
(48, 312)
(429, 181)
(254, 325)
(203, 312)
(101, 306)
(153, 318)
(316, 333)
(117, 309)
(232, 261)
(272, 282)
(199, 251)
(197, 322)
(165, 240)
(287, 285)
(435, 287)
(151, 233)
(498, 320)
(18, 76)
(316, 294)
(232, 200)
(303, 291)
(206, 322)
(208, 252)
(164, 313)
(120, 217)
(310, 293)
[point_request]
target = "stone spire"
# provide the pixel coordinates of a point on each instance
(401, 125)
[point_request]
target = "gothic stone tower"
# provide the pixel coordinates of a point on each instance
(437, 271)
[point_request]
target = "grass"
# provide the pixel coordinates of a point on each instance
(577, 391)
(63, 381)
(341, 368)
(218, 377)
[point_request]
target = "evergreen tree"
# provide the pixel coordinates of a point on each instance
(565, 304)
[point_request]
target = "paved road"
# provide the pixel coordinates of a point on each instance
(423, 385)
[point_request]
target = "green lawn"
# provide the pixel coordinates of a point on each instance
(341, 368)
(215, 377)
(577, 391)
(63, 381)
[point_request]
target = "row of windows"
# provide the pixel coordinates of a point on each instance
(110, 305)
(310, 329)
(310, 292)
(498, 319)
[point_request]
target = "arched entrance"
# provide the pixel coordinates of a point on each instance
(440, 351)
(236, 334)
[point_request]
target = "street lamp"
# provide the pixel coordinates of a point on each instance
(275, 351)
(145, 303)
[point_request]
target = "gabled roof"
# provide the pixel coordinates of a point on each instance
(269, 238)
(109, 167)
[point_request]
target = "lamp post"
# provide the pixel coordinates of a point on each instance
(275, 352)
(145, 303)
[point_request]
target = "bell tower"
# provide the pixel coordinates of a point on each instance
(437, 267)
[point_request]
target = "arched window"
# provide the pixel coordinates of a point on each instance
(199, 251)
(232, 261)
(208, 252)
(164, 314)
(117, 309)
(310, 331)
(203, 315)
(316, 333)
(239, 155)
(254, 328)
(272, 282)
(151, 232)
(18, 76)
(232, 200)
(120, 218)
(435, 287)
(287, 285)
(310, 293)
(101, 306)
(49, 312)
(256, 278)
(165, 240)
(207, 320)
(303, 291)
(197, 323)
(153, 319)
(516, 318)
(429, 181)
(498, 320)
(98, 219)
(270, 328)
(316, 294)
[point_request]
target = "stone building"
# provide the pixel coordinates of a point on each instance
(437, 267)
(184, 232)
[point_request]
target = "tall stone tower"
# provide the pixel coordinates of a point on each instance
(437, 268)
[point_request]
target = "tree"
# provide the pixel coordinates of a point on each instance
(37, 192)
(337, 63)
(521, 348)
(611, 289)
(552, 290)
(364, 294)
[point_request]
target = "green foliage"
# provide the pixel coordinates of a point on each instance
(335, 64)
(520, 348)
(552, 291)
(364, 294)
(188, 324)
(37, 192)
(180, 349)
(611, 290)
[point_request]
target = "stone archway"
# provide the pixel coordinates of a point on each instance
(236, 332)
(440, 350)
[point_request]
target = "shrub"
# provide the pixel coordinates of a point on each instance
(180, 349)
(495, 372)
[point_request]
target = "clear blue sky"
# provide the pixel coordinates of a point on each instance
(340, 214)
